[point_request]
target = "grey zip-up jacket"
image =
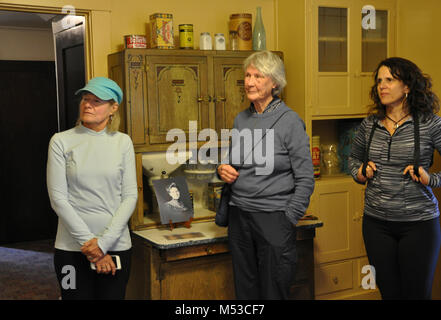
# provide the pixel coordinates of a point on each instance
(390, 195)
(288, 181)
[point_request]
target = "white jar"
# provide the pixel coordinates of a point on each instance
(219, 41)
(205, 41)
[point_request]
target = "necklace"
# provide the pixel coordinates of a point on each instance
(397, 122)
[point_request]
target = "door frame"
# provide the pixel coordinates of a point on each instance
(88, 60)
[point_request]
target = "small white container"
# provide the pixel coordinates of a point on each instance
(205, 41)
(219, 41)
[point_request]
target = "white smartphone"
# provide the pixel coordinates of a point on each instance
(116, 261)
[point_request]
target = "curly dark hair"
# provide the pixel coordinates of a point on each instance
(421, 99)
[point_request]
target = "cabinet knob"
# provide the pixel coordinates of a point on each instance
(217, 99)
(204, 99)
(335, 280)
(208, 250)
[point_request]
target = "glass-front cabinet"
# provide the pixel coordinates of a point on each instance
(348, 40)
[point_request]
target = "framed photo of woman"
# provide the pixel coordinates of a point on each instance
(173, 200)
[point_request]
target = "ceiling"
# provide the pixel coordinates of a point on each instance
(26, 19)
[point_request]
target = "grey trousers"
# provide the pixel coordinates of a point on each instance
(263, 248)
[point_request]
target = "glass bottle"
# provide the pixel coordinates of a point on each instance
(259, 37)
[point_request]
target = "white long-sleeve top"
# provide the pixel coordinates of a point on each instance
(91, 180)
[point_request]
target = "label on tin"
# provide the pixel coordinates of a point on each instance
(186, 36)
(135, 41)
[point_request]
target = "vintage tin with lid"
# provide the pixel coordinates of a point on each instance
(161, 31)
(241, 23)
(186, 36)
(134, 41)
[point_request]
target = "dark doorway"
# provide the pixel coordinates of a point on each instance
(28, 119)
(69, 48)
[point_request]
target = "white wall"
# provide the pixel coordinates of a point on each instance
(26, 44)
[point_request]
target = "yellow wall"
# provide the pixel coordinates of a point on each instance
(111, 20)
(419, 24)
(290, 23)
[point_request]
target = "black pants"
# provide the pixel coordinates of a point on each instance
(404, 255)
(79, 282)
(263, 248)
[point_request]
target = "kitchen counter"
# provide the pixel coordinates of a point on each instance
(195, 263)
(200, 233)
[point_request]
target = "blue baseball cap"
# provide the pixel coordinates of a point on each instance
(103, 88)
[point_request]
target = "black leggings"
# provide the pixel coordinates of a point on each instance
(404, 255)
(79, 282)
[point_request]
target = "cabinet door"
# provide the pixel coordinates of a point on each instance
(332, 63)
(335, 203)
(177, 94)
(135, 99)
(230, 97)
(347, 44)
(377, 34)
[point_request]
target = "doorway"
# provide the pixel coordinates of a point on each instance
(30, 115)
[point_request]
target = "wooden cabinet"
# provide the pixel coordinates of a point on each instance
(345, 50)
(338, 247)
(201, 270)
(166, 89)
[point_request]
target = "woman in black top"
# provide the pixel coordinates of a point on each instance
(392, 152)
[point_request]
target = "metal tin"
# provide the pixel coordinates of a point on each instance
(186, 36)
(214, 195)
(161, 32)
(316, 155)
(135, 41)
(241, 23)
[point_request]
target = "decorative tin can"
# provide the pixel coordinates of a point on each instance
(186, 36)
(214, 195)
(161, 31)
(316, 155)
(135, 41)
(241, 23)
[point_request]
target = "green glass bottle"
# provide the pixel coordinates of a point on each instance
(259, 37)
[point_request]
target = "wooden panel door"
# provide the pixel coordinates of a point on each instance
(177, 93)
(230, 97)
(332, 62)
(333, 202)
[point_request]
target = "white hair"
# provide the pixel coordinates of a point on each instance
(270, 65)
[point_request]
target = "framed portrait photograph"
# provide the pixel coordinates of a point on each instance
(173, 199)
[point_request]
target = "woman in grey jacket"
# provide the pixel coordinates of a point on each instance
(392, 153)
(270, 193)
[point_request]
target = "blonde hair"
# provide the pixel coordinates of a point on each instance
(270, 65)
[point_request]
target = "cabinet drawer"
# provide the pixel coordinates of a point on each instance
(194, 251)
(333, 277)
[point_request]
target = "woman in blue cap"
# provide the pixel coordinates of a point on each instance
(91, 180)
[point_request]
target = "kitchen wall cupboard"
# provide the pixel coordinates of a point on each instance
(332, 63)
(344, 54)
(165, 89)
